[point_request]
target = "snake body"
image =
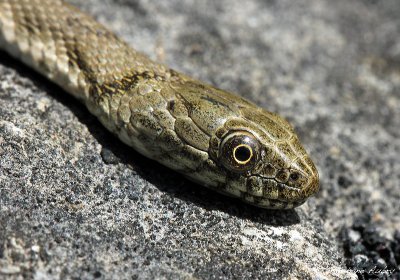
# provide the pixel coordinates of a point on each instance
(213, 137)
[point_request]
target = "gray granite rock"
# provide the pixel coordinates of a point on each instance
(76, 203)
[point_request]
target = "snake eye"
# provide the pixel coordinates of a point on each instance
(239, 151)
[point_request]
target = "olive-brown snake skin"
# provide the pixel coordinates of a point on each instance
(213, 137)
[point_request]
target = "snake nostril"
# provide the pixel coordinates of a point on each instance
(294, 176)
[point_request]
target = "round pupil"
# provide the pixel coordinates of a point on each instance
(242, 153)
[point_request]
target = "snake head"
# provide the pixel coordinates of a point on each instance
(266, 164)
(251, 153)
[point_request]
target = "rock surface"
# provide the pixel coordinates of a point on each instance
(76, 203)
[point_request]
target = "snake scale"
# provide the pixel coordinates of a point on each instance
(211, 136)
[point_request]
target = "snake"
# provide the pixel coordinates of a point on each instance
(215, 138)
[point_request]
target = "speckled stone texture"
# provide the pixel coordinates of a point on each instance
(77, 203)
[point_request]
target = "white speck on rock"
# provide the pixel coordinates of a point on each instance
(35, 248)
(295, 236)
(10, 269)
(354, 235)
(12, 129)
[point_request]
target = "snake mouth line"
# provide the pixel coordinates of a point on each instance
(274, 202)
(279, 184)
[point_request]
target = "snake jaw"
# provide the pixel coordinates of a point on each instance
(273, 191)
